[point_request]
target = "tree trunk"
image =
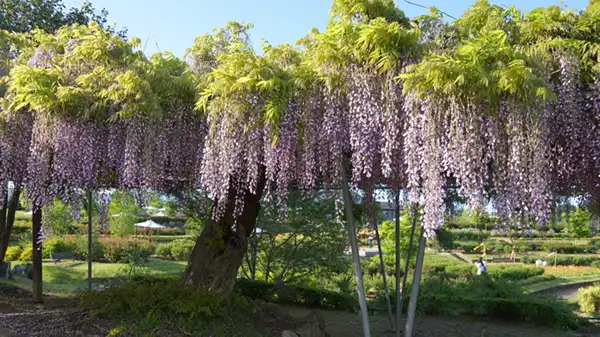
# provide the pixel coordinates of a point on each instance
(37, 254)
(7, 220)
(219, 250)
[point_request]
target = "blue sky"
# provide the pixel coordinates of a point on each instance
(172, 25)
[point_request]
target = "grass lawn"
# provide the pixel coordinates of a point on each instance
(20, 215)
(68, 276)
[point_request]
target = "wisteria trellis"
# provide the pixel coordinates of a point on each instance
(287, 119)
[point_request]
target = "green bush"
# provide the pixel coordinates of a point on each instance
(181, 249)
(81, 248)
(467, 246)
(589, 299)
(295, 294)
(163, 251)
(510, 272)
(13, 253)
(20, 227)
(150, 305)
(537, 279)
(121, 249)
(564, 248)
(27, 254)
(501, 300)
(56, 245)
(562, 260)
(469, 235)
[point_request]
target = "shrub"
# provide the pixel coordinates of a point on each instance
(13, 253)
(589, 299)
(163, 250)
(27, 254)
(20, 227)
(514, 272)
(123, 249)
(150, 305)
(295, 294)
(181, 249)
(537, 279)
(483, 297)
(562, 260)
(469, 235)
(57, 245)
(81, 248)
(467, 246)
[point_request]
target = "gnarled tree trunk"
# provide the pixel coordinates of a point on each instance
(7, 220)
(219, 250)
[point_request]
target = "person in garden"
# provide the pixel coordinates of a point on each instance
(481, 266)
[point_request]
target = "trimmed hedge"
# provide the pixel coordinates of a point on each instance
(499, 300)
(26, 255)
(522, 245)
(562, 260)
(513, 272)
(178, 250)
(125, 250)
(55, 245)
(588, 299)
(13, 253)
(295, 294)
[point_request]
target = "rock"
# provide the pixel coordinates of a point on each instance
(5, 270)
(314, 327)
(25, 270)
(288, 333)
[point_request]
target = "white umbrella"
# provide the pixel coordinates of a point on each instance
(160, 214)
(149, 224)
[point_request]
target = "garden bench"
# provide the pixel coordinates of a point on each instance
(57, 257)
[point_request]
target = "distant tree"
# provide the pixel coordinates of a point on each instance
(306, 244)
(22, 16)
(123, 213)
(579, 223)
(58, 218)
(388, 236)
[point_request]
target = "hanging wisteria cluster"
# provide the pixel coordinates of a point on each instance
(400, 108)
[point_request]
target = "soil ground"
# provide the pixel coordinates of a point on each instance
(19, 316)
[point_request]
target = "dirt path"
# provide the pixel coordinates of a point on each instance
(344, 324)
(567, 292)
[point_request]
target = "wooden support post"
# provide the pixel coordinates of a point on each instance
(354, 246)
(90, 248)
(398, 257)
(382, 267)
(415, 210)
(414, 295)
(36, 241)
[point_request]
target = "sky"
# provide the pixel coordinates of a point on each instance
(172, 25)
